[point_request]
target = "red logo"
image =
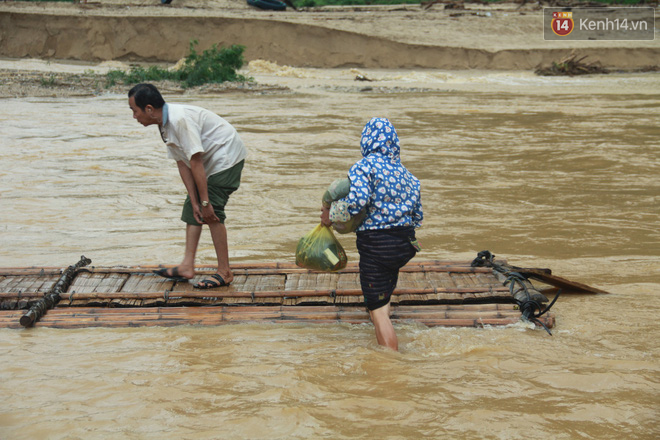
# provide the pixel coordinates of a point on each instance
(562, 23)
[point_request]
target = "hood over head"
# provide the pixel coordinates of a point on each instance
(379, 136)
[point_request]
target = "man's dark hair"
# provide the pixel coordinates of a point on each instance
(147, 94)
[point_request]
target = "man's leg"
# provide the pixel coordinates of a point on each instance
(219, 236)
(385, 334)
(187, 267)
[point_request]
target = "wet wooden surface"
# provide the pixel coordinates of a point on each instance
(468, 315)
(434, 293)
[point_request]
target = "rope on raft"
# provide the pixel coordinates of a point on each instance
(519, 288)
(53, 296)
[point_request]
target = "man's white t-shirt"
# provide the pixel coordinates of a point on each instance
(188, 130)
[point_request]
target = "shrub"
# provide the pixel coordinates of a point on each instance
(214, 65)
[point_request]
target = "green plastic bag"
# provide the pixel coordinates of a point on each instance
(320, 250)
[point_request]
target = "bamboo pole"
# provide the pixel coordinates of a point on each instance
(18, 271)
(441, 315)
(20, 295)
(277, 268)
(268, 267)
(221, 293)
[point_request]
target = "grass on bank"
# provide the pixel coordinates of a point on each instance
(214, 65)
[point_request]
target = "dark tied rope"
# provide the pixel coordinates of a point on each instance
(53, 296)
(517, 284)
(528, 306)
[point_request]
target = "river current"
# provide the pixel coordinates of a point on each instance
(562, 173)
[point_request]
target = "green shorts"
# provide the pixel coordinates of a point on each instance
(220, 186)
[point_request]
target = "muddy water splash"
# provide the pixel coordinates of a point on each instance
(559, 173)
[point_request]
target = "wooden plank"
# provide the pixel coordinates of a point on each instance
(98, 282)
(461, 280)
(472, 316)
(440, 280)
(255, 283)
(488, 279)
(414, 280)
(139, 282)
(564, 284)
(20, 295)
(281, 285)
(28, 283)
(255, 297)
(12, 284)
(267, 267)
(348, 281)
(111, 283)
(321, 281)
(22, 271)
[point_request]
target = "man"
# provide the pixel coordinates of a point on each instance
(210, 156)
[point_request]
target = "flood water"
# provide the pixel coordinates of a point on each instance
(561, 173)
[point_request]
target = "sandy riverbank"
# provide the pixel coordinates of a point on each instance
(474, 36)
(59, 49)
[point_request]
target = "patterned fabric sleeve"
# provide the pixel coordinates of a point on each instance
(337, 190)
(360, 192)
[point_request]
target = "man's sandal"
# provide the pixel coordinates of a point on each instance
(216, 281)
(174, 276)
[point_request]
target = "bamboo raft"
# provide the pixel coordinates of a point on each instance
(433, 293)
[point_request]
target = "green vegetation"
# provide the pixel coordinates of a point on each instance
(571, 66)
(48, 82)
(215, 65)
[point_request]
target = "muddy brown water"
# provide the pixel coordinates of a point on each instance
(545, 172)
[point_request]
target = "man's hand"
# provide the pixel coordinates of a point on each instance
(205, 214)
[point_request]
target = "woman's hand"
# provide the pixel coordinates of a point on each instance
(325, 216)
